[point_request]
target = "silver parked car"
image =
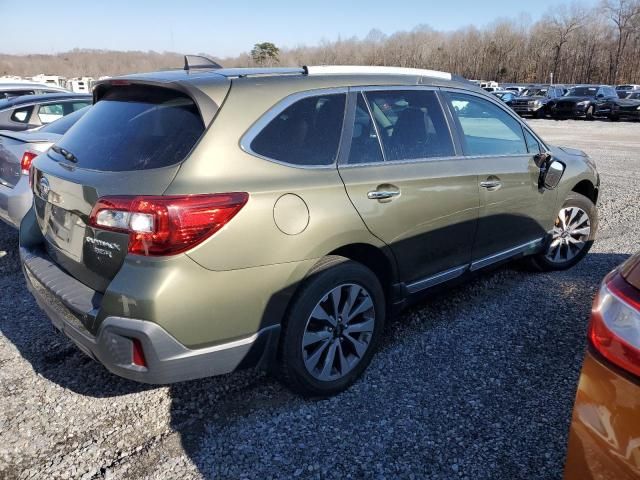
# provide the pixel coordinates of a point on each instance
(17, 151)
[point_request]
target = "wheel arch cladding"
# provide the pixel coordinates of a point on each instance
(374, 259)
(586, 188)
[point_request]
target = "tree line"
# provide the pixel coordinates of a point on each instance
(578, 44)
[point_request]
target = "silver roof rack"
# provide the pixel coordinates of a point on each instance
(360, 70)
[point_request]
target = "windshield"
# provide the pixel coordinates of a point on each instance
(633, 96)
(534, 92)
(582, 92)
(65, 123)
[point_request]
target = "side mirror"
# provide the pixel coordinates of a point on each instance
(553, 174)
(600, 95)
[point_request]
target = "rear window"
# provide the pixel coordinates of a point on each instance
(134, 128)
(305, 133)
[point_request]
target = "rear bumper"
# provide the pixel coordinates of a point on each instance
(15, 202)
(603, 439)
(71, 306)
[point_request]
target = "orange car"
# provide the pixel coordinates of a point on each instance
(604, 440)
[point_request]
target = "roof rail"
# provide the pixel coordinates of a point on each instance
(359, 69)
(190, 62)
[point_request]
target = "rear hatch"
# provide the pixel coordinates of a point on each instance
(131, 142)
(13, 146)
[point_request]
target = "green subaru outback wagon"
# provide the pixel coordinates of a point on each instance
(199, 221)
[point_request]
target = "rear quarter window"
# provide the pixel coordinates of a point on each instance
(22, 115)
(134, 128)
(305, 133)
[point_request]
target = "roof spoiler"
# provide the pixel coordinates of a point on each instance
(198, 61)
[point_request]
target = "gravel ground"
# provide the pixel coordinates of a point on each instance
(477, 383)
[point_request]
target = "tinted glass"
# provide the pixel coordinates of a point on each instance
(487, 129)
(535, 92)
(365, 147)
(411, 124)
(134, 128)
(21, 115)
(532, 143)
(65, 123)
(305, 133)
(582, 92)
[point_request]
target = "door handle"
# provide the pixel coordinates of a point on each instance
(382, 194)
(491, 184)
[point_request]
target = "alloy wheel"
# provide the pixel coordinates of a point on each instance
(338, 332)
(570, 235)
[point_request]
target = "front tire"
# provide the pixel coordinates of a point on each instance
(590, 113)
(572, 236)
(332, 328)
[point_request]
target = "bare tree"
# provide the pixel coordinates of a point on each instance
(561, 24)
(624, 15)
(579, 44)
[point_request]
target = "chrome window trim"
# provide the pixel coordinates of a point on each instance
(497, 102)
(257, 127)
(434, 159)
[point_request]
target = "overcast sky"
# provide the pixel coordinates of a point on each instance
(226, 28)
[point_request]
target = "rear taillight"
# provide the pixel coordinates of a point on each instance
(615, 323)
(166, 225)
(25, 161)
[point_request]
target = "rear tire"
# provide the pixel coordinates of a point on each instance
(332, 329)
(573, 235)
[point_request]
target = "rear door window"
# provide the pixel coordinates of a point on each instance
(134, 128)
(365, 145)
(75, 106)
(486, 128)
(50, 112)
(305, 133)
(61, 126)
(411, 124)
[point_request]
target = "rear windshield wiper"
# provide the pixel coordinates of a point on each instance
(65, 153)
